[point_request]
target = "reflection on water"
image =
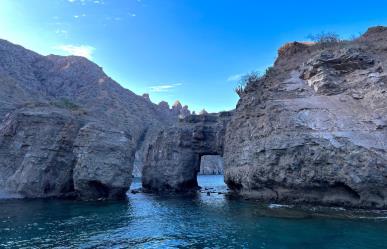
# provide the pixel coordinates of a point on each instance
(213, 221)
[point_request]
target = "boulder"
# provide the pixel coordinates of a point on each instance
(104, 161)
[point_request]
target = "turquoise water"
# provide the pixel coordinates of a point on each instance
(201, 221)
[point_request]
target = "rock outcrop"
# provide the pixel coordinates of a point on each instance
(36, 158)
(314, 129)
(104, 159)
(173, 160)
(67, 129)
(211, 165)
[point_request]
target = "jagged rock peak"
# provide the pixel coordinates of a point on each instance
(203, 112)
(177, 105)
(146, 96)
(177, 110)
(164, 105)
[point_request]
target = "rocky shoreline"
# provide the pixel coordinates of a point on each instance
(313, 129)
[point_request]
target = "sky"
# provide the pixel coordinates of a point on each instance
(191, 50)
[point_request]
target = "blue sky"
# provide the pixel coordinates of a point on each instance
(191, 50)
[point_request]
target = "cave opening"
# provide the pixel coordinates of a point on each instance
(211, 171)
(211, 165)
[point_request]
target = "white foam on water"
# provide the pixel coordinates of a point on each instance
(273, 205)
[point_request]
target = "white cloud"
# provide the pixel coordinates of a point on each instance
(164, 88)
(235, 77)
(84, 2)
(82, 50)
(61, 32)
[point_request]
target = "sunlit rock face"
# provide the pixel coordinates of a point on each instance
(314, 129)
(173, 159)
(67, 129)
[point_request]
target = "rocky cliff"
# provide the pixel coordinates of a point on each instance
(66, 128)
(314, 128)
(176, 112)
(172, 161)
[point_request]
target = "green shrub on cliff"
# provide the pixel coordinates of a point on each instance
(251, 78)
(325, 39)
(245, 80)
(65, 104)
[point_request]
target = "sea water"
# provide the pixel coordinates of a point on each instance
(209, 219)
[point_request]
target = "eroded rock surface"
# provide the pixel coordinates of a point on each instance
(67, 129)
(314, 129)
(104, 161)
(173, 160)
(36, 158)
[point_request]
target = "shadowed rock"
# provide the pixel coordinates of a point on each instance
(67, 129)
(173, 160)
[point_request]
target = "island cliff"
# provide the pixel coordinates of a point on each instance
(67, 129)
(313, 129)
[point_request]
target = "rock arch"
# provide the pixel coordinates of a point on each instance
(172, 162)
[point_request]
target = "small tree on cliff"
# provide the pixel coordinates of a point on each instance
(246, 80)
(325, 39)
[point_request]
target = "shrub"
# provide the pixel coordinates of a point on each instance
(66, 104)
(269, 71)
(325, 38)
(246, 80)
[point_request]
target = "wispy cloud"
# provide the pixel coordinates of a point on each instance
(61, 32)
(84, 2)
(235, 77)
(82, 50)
(164, 87)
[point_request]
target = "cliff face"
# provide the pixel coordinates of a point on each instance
(177, 112)
(173, 159)
(314, 129)
(66, 128)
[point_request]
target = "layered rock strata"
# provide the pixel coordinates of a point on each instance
(67, 129)
(314, 129)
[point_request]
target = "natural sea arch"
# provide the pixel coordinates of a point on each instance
(172, 162)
